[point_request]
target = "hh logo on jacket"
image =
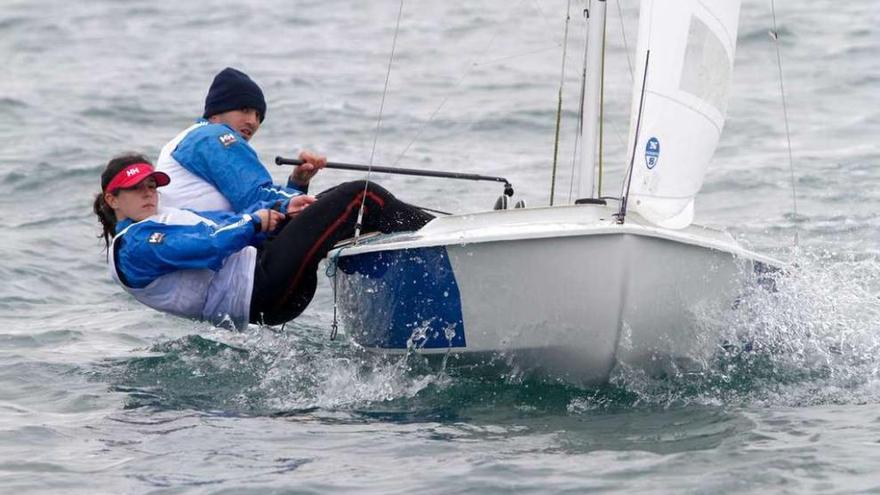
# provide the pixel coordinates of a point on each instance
(227, 139)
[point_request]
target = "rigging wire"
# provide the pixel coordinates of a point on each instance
(451, 92)
(614, 125)
(624, 193)
(580, 121)
(616, 130)
(602, 109)
(544, 16)
(774, 34)
(334, 326)
(623, 33)
(559, 103)
(577, 142)
(360, 217)
(472, 64)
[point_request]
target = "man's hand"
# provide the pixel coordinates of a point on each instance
(299, 203)
(302, 174)
(269, 219)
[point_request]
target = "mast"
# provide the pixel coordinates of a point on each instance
(593, 62)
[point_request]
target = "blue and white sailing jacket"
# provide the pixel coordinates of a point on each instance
(213, 168)
(198, 266)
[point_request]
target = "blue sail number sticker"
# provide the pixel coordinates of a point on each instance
(652, 152)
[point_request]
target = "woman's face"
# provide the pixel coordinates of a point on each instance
(136, 203)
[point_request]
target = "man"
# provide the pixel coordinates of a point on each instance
(214, 167)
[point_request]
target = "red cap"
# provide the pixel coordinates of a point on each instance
(134, 174)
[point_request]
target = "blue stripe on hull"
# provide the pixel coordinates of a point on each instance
(390, 297)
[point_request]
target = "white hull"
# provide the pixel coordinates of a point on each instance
(563, 289)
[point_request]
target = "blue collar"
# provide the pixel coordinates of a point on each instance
(123, 224)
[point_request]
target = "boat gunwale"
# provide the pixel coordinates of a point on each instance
(516, 231)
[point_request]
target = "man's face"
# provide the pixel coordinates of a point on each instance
(246, 121)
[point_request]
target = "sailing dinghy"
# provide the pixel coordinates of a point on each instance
(576, 289)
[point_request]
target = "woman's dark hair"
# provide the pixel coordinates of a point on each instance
(105, 214)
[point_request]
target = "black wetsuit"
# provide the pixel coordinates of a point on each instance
(286, 276)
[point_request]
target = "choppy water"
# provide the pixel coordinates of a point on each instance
(101, 395)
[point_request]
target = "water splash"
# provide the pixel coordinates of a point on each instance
(812, 340)
(263, 371)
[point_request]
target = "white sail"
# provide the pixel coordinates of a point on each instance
(692, 45)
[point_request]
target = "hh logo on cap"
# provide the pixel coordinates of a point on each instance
(227, 139)
(132, 172)
(156, 238)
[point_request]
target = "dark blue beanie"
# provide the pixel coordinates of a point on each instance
(233, 90)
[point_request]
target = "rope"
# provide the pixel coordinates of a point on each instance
(360, 217)
(775, 36)
(330, 271)
(559, 103)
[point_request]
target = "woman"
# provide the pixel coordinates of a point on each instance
(226, 268)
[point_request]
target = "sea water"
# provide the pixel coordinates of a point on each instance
(99, 394)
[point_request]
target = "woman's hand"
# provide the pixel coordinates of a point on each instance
(269, 219)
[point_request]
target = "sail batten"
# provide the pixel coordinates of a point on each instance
(694, 109)
(692, 45)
